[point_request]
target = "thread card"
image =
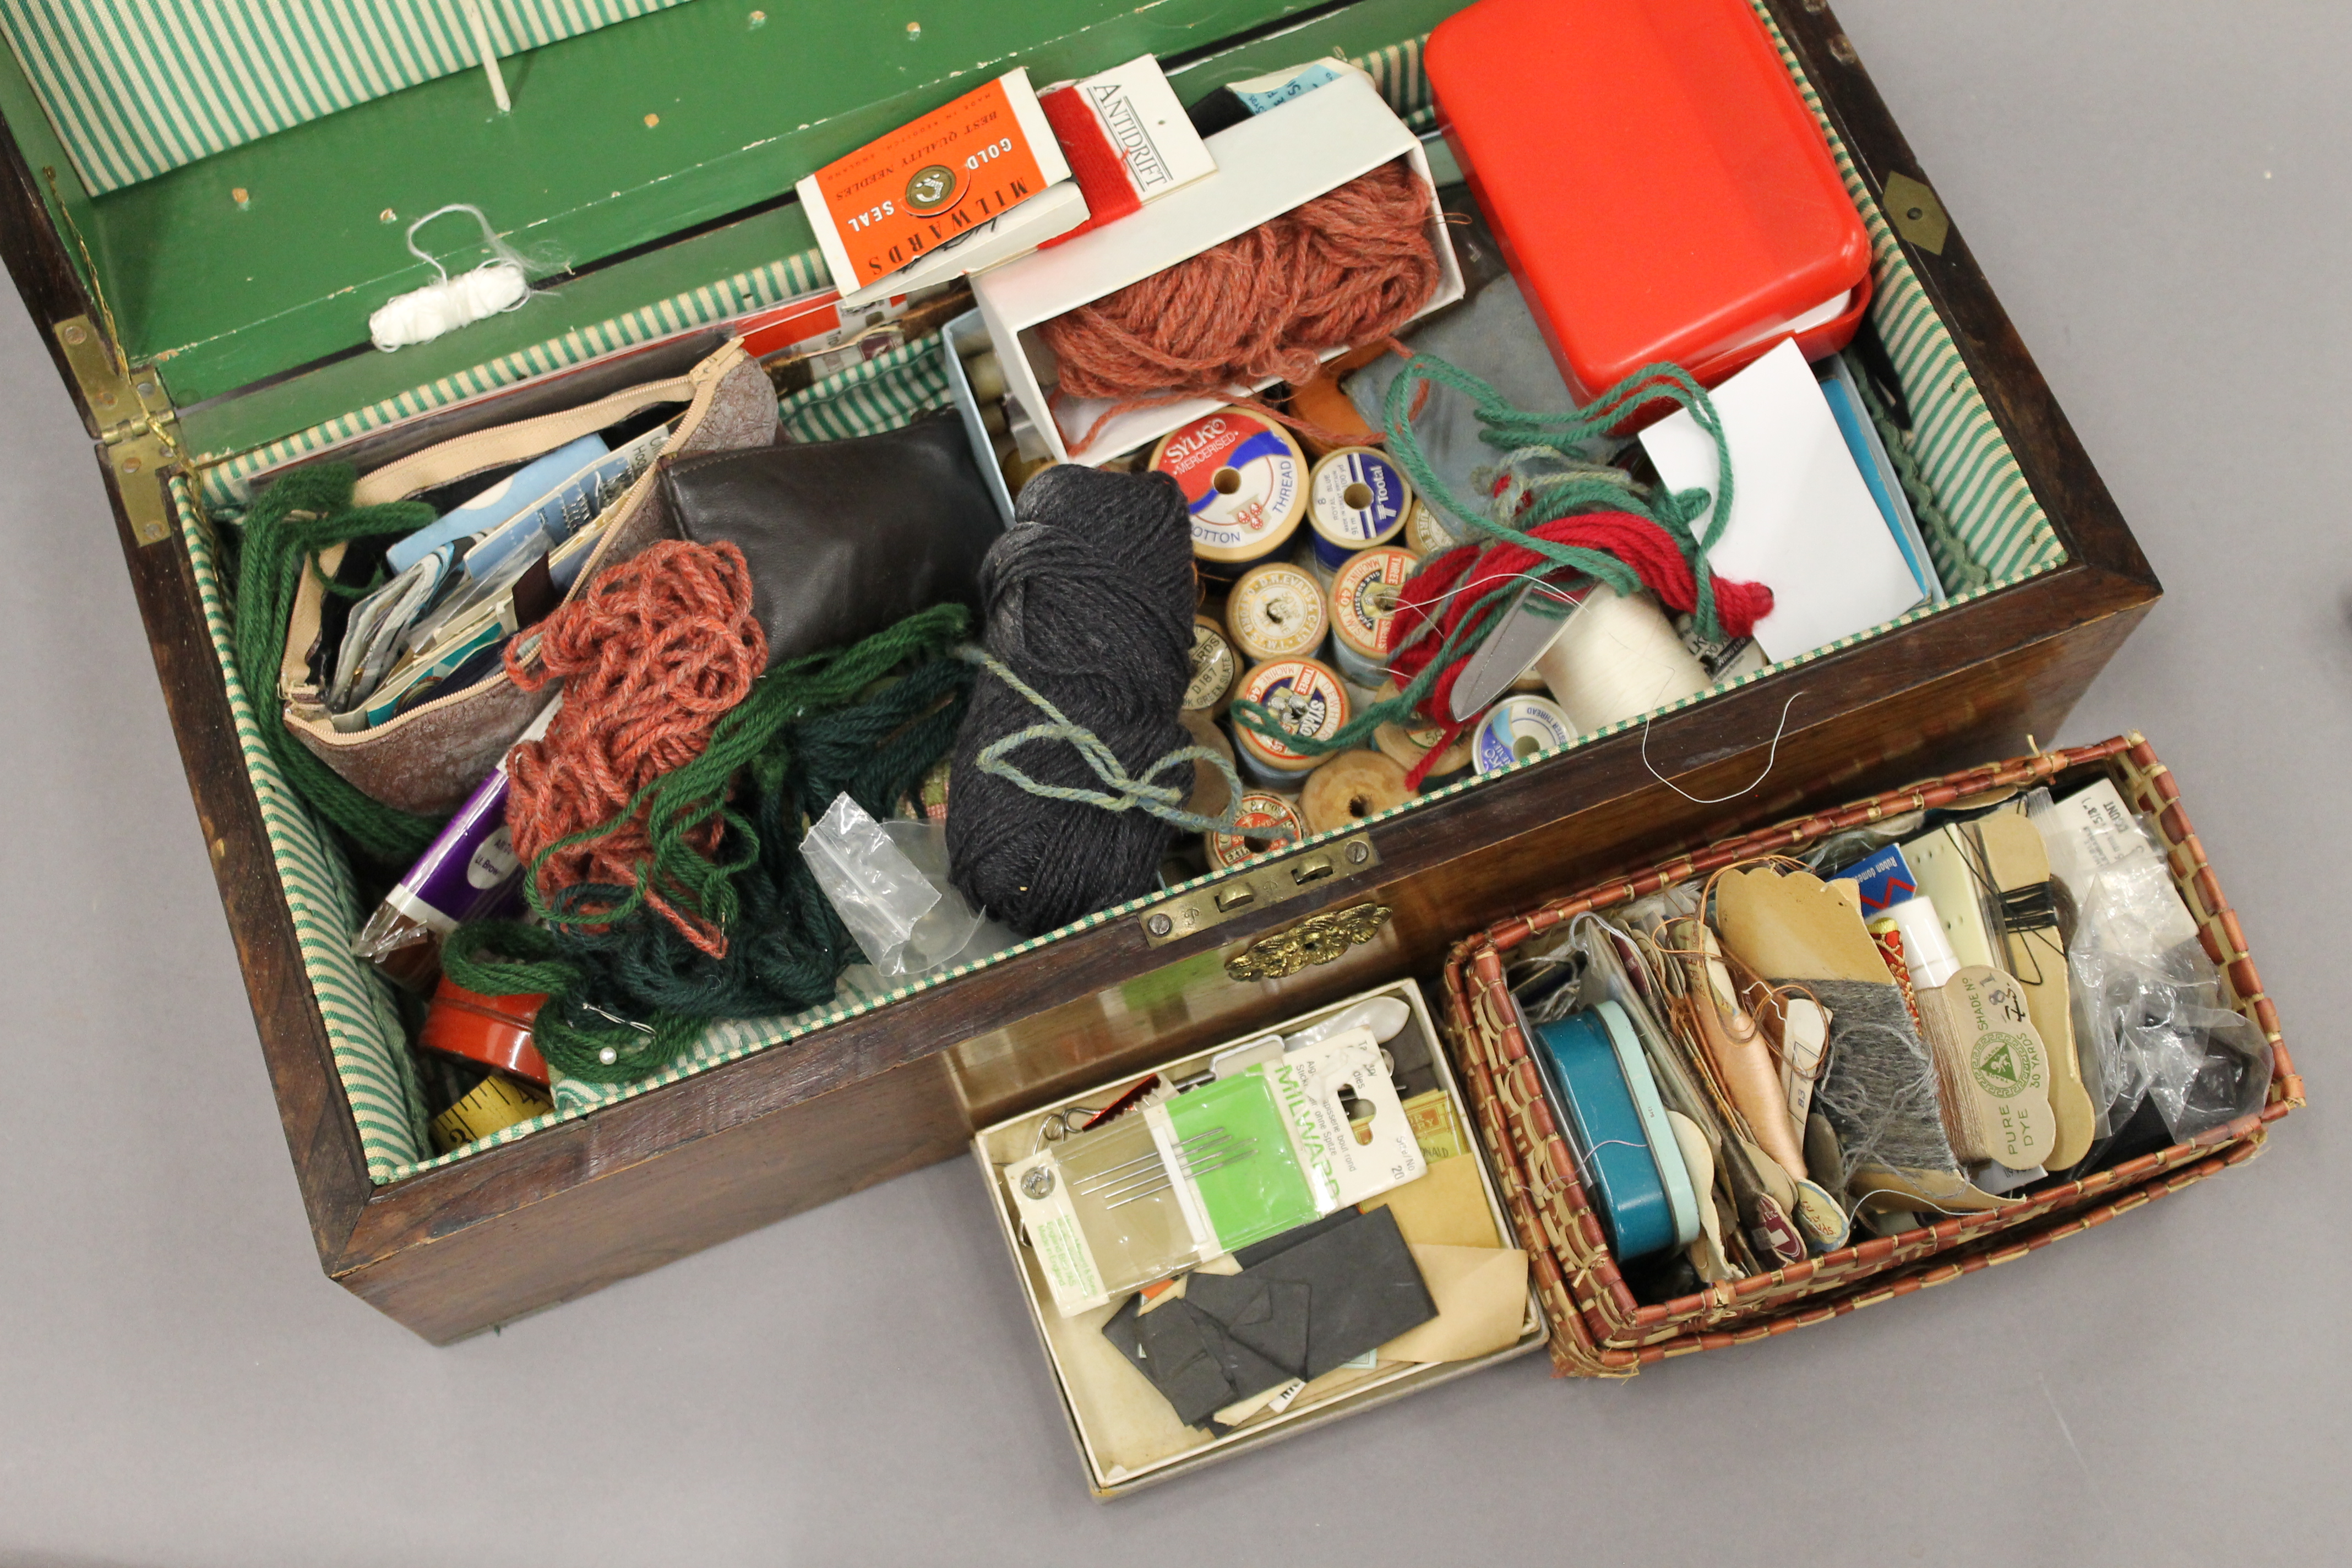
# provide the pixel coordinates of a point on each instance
(970, 184)
(1993, 1070)
(1803, 520)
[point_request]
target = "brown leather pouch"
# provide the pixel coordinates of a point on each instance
(427, 760)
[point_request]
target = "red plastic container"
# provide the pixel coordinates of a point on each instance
(1659, 188)
(491, 1032)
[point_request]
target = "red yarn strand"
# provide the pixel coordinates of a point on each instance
(651, 656)
(1348, 268)
(1437, 598)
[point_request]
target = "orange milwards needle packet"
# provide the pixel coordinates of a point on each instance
(932, 180)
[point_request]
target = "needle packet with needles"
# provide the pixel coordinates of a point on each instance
(1230, 1161)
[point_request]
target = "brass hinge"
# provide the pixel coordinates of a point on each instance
(137, 425)
(1249, 892)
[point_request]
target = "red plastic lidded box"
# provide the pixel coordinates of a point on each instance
(1659, 188)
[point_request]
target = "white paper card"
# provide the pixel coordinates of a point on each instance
(1803, 520)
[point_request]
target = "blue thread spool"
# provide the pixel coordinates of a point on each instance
(1518, 728)
(1357, 500)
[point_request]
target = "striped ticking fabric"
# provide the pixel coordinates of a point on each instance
(138, 87)
(371, 1055)
(889, 390)
(1967, 464)
(1958, 448)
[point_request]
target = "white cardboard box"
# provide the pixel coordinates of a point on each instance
(1135, 1441)
(1267, 165)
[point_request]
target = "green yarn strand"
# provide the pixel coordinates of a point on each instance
(1576, 485)
(1122, 791)
(826, 721)
(1580, 488)
(304, 513)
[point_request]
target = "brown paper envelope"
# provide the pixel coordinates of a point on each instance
(1446, 1207)
(1482, 1304)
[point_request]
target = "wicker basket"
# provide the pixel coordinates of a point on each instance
(1597, 1327)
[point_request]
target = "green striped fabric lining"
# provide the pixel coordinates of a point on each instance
(378, 1073)
(1958, 448)
(880, 393)
(138, 87)
(1961, 450)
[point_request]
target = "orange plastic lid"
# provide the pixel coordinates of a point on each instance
(1700, 218)
(492, 1032)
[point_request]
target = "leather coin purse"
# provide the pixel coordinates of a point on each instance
(844, 538)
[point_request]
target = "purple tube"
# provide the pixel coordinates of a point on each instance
(468, 872)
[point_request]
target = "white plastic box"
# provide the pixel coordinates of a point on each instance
(1267, 165)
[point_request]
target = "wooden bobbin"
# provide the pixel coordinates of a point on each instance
(1349, 787)
(1406, 747)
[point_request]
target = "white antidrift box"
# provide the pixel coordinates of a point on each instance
(1143, 127)
(1267, 165)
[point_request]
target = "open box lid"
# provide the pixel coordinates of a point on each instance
(664, 145)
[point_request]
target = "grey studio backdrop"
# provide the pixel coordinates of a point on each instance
(2159, 193)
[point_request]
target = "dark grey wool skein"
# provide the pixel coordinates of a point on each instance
(1090, 599)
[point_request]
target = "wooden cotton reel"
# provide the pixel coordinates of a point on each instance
(1349, 787)
(1277, 611)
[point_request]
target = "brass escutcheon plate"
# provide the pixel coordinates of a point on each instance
(1319, 939)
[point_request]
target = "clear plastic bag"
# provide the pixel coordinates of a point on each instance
(888, 882)
(2148, 1008)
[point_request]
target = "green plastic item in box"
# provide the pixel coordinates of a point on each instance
(1246, 1196)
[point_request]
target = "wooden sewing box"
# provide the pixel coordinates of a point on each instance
(209, 320)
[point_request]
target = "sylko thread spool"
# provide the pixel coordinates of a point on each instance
(1616, 659)
(1306, 697)
(1363, 612)
(1263, 821)
(1277, 611)
(1244, 484)
(1349, 787)
(1356, 498)
(1516, 729)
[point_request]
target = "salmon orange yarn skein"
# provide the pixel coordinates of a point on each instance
(651, 656)
(1345, 269)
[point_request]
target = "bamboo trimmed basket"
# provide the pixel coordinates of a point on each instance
(1598, 1330)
